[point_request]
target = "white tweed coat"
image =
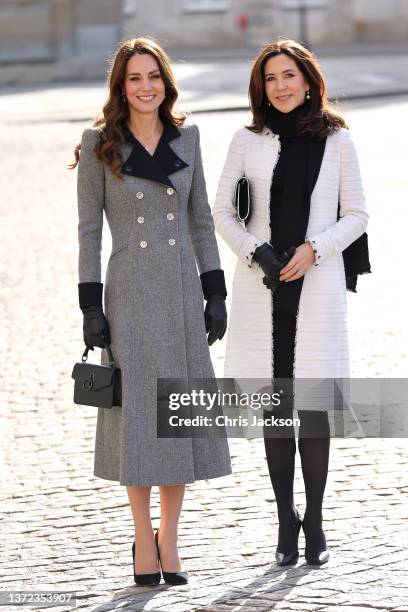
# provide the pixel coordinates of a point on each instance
(321, 349)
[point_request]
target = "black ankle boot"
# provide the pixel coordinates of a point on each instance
(287, 552)
(316, 552)
(145, 579)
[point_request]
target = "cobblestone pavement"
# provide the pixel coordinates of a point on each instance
(63, 529)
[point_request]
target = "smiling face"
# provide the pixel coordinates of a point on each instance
(143, 84)
(285, 85)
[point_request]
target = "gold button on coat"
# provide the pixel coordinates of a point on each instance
(172, 241)
(170, 216)
(170, 191)
(143, 244)
(140, 219)
(139, 195)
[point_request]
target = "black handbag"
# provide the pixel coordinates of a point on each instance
(242, 200)
(97, 385)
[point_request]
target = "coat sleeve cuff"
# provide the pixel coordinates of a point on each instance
(249, 255)
(90, 294)
(317, 249)
(213, 283)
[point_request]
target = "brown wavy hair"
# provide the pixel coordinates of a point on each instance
(322, 118)
(115, 112)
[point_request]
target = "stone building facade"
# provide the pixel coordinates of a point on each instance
(75, 38)
(233, 23)
(50, 30)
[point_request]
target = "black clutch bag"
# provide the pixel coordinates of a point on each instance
(242, 200)
(97, 385)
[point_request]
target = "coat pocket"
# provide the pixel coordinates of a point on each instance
(116, 274)
(118, 250)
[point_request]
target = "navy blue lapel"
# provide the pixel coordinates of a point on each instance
(155, 167)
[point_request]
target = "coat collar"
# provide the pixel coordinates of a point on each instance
(266, 131)
(161, 164)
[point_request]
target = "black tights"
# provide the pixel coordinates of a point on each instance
(314, 455)
(313, 444)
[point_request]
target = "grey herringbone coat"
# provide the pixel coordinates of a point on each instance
(153, 302)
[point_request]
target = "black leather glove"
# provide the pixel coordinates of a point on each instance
(271, 263)
(286, 257)
(96, 327)
(215, 316)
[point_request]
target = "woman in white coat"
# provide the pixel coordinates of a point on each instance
(303, 246)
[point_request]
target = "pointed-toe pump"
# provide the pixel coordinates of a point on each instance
(145, 579)
(174, 578)
(316, 552)
(317, 558)
(290, 557)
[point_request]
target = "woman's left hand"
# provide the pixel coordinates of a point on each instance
(301, 261)
(215, 316)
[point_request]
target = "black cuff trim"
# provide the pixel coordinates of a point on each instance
(213, 283)
(90, 294)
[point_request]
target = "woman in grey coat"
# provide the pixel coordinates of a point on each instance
(143, 166)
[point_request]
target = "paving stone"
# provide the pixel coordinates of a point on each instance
(64, 528)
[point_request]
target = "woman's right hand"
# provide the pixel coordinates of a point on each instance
(271, 263)
(96, 327)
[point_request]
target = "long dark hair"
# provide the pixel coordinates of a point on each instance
(115, 112)
(322, 118)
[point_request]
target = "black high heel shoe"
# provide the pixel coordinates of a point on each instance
(316, 552)
(291, 557)
(170, 577)
(145, 579)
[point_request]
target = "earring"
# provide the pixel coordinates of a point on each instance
(308, 96)
(269, 103)
(124, 98)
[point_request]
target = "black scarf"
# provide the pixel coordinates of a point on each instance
(290, 193)
(295, 176)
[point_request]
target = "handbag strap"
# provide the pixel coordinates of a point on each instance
(112, 363)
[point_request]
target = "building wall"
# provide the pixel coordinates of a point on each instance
(27, 30)
(382, 20)
(98, 25)
(56, 30)
(328, 21)
(175, 26)
(325, 21)
(33, 30)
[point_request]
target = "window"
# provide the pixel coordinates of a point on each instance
(129, 7)
(297, 4)
(205, 6)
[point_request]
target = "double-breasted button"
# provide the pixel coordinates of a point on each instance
(172, 241)
(143, 244)
(170, 216)
(139, 195)
(140, 219)
(170, 191)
